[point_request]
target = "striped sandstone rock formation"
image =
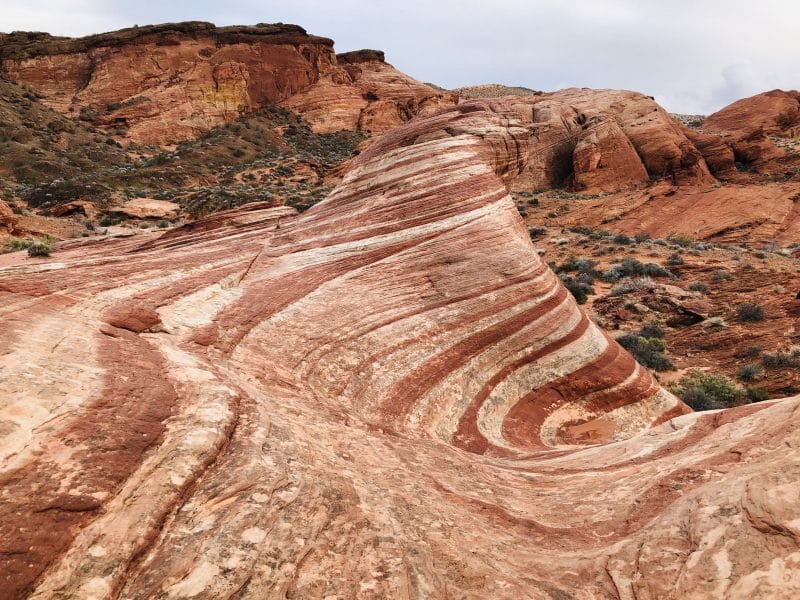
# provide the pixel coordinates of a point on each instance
(389, 395)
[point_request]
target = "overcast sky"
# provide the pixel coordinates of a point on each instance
(694, 56)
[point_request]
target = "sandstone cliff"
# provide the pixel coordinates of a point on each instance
(161, 84)
(389, 395)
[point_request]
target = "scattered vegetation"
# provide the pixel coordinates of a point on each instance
(35, 247)
(705, 391)
(782, 360)
(631, 267)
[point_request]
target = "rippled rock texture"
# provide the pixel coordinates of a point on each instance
(389, 395)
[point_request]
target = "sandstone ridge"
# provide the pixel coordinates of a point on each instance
(388, 395)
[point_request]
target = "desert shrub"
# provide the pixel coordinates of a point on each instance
(721, 276)
(631, 267)
(756, 394)
(715, 323)
(750, 312)
(752, 372)
(652, 330)
(40, 248)
(654, 270)
(111, 219)
(163, 224)
(704, 391)
(627, 268)
(622, 239)
(647, 351)
(641, 237)
(628, 286)
(674, 259)
(578, 289)
(579, 265)
(17, 244)
(581, 229)
(536, 232)
(753, 352)
(681, 239)
(781, 360)
(698, 286)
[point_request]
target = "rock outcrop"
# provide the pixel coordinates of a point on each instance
(165, 83)
(389, 395)
(747, 124)
(366, 94)
(603, 141)
(774, 113)
(8, 220)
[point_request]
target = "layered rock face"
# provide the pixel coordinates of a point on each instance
(366, 94)
(165, 83)
(604, 141)
(389, 395)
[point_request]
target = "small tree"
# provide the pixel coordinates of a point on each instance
(703, 391)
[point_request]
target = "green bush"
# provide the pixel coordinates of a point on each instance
(652, 330)
(630, 267)
(698, 286)
(704, 391)
(752, 372)
(35, 247)
(40, 248)
(579, 289)
(757, 394)
(647, 351)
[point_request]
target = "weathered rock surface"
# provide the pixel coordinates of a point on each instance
(775, 113)
(603, 141)
(8, 220)
(147, 208)
(171, 82)
(388, 395)
(366, 94)
(605, 160)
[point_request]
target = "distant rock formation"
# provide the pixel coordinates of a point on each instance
(164, 83)
(774, 113)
